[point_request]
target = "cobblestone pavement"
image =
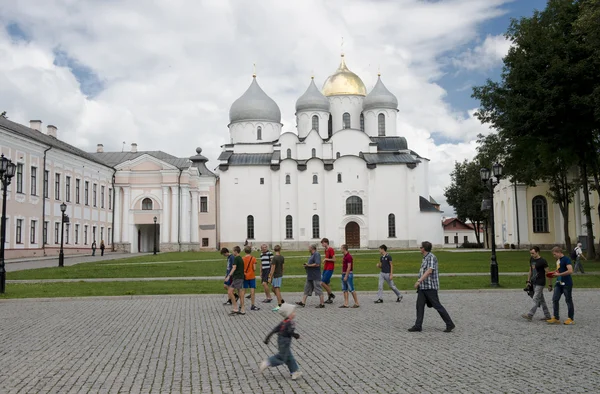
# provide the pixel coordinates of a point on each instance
(189, 344)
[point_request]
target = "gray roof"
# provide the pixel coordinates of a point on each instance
(392, 144)
(254, 104)
(249, 159)
(45, 139)
(426, 206)
(312, 99)
(115, 158)
(380, 97)
(389, 158)
(199, 162)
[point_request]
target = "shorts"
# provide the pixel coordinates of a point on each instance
(227, 282)
(237, 283)
(276, 282)
(313, 285)
(326, 277)
(250, 283)
(349, 284)
(264, 275)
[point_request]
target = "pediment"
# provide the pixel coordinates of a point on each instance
(146, 163)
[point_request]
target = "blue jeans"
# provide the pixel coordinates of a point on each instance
(349, 284)
(559, 290)
(285, 355)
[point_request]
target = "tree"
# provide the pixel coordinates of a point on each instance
(3, 115)
(465, 194)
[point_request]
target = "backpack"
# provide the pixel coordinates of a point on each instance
(574, 254)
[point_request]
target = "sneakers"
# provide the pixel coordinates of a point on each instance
(254, 308)
(399, 299)
(379, 301)
(553, 321)
(331, 296)
(267, 300)
(296, 375)
(264, 365)
(414, 329)
(329, 301)
(249, 296)
(526, 316)
(568, 322)
(449, 328)
(300, 303)
(227, 303)
(276, 309)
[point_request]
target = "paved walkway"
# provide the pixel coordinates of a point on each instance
(52, 261)
(189, 344)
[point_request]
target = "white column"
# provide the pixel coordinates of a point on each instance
(165, 225)
(185, 213)
(194, 215)
(125, 234)
(174, 213)
(118, 209)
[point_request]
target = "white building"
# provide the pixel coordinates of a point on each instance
(346, 174)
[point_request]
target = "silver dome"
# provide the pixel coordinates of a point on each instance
(254, 104)
(312, 99)
(380, 97)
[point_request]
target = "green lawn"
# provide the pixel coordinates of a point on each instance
(213, 264)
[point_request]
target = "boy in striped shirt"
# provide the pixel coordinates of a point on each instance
(265, 269)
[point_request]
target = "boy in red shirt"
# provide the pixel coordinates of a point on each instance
(328, 270)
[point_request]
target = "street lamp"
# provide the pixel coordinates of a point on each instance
(155, 235)
(7, 171)
(491, 182)
(61, 255)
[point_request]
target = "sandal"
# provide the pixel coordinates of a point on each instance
(233, 313)
(241, 313)
(343, 306)
(355, 306)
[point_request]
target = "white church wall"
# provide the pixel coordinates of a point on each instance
(287, 141)
(304, 123)
(288, 205)
(248, 131)
(350, 142)
(372, 122)
(430, 229)
(312, 141)
(253, 148)
(342, 104)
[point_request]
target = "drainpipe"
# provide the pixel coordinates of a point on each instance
(179, 210)
(517, 209)
(217, 196)
(112, 236)
(44, 203)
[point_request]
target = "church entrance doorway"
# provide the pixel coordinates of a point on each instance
(353, 235)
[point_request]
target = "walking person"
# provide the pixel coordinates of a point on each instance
(328, 270)
(348, 277)
(102, 247)
(250, 277)
(538, 267)
(228, 281)
(285, 332)
(578, 256)
(427, 289)
(276, 276)
(313, 277)
(386, 275)
(563, 285)
(237, 281)
(94, 248)
(265, 269)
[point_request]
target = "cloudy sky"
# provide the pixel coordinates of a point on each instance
(164, 73)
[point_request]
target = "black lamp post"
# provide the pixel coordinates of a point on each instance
(491, 182)
(61, 255)
(7, 171)
(155, 235)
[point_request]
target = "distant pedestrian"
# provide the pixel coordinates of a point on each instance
(228, 281)
(276, 275)
(285, 332)
(427, 289)
(348, 278)
(563, 285)
(237, 282)
(250, 277)
(328, 270)
(386, 275)
(538, 267)
(313, 277)
(579, 255)
(102, 247)
(93, 248)
(265, 269)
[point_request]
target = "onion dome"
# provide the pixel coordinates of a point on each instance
(254, 104)
(380, 97)
(344, 82)
(312, 99)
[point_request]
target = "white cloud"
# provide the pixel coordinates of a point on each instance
(485, 56)
(171, 69)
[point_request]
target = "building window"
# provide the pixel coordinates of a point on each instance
(315, 122)
(446, 239)
(315, 179)
(57, 186)
(77, 187)
(68, 189)
(94, 233)
(147, 204)
(288, 180)
(85, 237)
(346, 120)
(391, 225)
(540, 214)
(204, 242)
(250, 227)
(339, 178)
(362, 122)
(381, 125)
(108, 236)
(259, 133)
(289, 233)
(262, 181)
(32, 231)
(86, 193)
(109, 198)
(337, 155)
(313, 152)
(203, 204)
(67, 226)
(45, 233)
(101, 233)
(46, 176)
(466, 239)
(19, 231)
(289, 153)
(94, 190)
(19, 177)
(315, 226)
(56, 233)
(354, 205)
(101, 196)
(34, 181)
(76, 234)
(330, 127)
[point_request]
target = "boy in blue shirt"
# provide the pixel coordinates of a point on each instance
(563, 285)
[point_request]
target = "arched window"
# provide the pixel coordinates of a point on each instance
(313, 152)
(330, 127)
(346, 120)
(340, 177)
(381, 125)
(315, 225)
(287, 180)
(391, 225)
(147, 204)
(289, 153)
(362, 122)
(289, 233)
(337, 155)
(540, 214)
(250, 227)
(315, 179)
(354, 205)
(315, 122)
(259, 133)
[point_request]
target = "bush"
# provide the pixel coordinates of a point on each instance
(471, 245)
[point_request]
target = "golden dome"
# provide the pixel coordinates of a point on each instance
(344, 82)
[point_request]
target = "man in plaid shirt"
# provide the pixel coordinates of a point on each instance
(427, 289)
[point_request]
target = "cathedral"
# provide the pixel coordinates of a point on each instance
(346, 174)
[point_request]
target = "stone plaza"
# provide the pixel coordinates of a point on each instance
(189, 344)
